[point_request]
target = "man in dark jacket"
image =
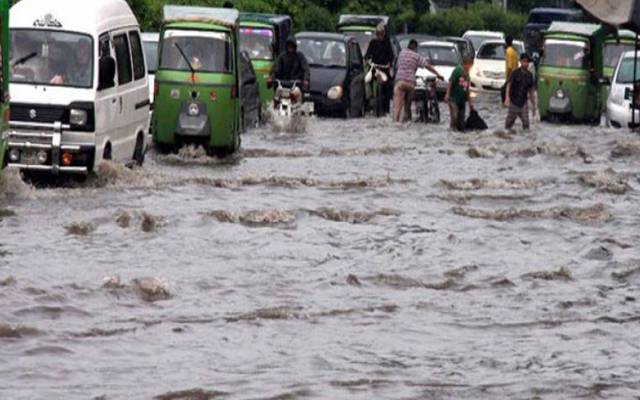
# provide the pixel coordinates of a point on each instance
(291, 66)
(380, 52)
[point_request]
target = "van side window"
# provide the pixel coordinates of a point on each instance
(123, 58)
(137, 54)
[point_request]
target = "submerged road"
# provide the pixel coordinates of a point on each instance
(356, 260)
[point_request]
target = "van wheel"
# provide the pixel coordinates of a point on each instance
(106, 155)
(138, 152)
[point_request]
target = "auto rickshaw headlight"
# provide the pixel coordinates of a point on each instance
(14, 155)
(78, 117)
(194, 109)
(560, 94)
(335, 93)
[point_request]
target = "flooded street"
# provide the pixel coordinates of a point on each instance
(356, 260)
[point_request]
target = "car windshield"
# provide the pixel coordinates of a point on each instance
(257, 42)
(204, 51)
(491, 51)
(440, 55)
(42, 57)
(625, 73)
(613, 51)
(323, 52)
(546, 18)
(565, 54)
(477, 40)
(363, 38)
(151, 55)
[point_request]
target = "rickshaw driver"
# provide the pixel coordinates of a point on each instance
(291, 66)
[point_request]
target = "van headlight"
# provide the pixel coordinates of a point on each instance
(335, 93)
(78, 117)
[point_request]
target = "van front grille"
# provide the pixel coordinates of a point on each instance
(39, 114)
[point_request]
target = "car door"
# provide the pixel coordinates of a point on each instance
(123, 141)
(356, 76)
(107, 110)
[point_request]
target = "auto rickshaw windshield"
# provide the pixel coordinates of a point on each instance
(566, 54)
(51, 58)
(323, 53)
(257, 42)
(205, 51)
(613, 51)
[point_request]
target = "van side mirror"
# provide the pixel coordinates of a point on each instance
(107, 73)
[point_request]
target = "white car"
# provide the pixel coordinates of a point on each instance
(79, 87)
(620, 95)
(479, 37)
(444, 56)
(488, 72)
(150, 43)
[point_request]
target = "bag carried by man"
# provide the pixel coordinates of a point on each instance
(475, 122)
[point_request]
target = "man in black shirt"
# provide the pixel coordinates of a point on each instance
(380, 52)
(520, 87)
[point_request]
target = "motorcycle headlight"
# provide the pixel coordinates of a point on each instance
(78, 117)
(560, 94)
(335, 93)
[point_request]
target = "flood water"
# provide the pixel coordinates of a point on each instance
(357, 260)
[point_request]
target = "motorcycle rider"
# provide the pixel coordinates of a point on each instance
(291, 66)
(380, 52)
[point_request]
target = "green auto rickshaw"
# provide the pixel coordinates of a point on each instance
(4, 85)
(263, 37)
(197, 86)
(362, 28)
(570, 75)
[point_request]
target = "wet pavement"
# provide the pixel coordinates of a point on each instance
(356, 260)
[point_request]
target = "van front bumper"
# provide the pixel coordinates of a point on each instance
(29, 143)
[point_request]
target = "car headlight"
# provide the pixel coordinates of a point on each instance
(335, 93)
(78, 117)
(560, 94)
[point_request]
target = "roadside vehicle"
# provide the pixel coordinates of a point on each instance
(465, 47)
(263, 37)
(614, 46)
(198, 82)
(619, 104)
(570, 76)
(150, 45)
(363, 28)
(79, 86)
(488, 71)
(479, 37)
(540, 19)
(444, 56)
(4, 86)
(337, 73)
(250, 91)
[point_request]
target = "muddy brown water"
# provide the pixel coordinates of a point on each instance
(357, 260)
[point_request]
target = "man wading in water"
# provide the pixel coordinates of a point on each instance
(458, 94)
(408, 63)
(520, 87)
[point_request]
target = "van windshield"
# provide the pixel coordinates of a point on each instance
(257, 42)
(52, 58)
(205, 51)
(613, 51)
(546, 18)
(565, 54)
(625, 73)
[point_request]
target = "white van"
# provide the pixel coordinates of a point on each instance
(79, 86)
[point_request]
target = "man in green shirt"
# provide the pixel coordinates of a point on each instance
(458, 94)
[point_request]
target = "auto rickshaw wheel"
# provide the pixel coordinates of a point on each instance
(164, 148)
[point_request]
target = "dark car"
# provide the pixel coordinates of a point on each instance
(465, 46)
(540, 20)
(337, 73)
(250, 91)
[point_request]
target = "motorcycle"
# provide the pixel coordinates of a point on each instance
(378, 77)
(426, 100)
(289, 106)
